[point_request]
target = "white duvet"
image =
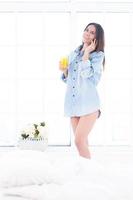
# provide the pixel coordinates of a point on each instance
(63, 179)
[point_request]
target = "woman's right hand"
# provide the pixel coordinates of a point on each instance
(64, 70)
(63, 63)
(61, 67)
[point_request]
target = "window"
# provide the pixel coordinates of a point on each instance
(33, 37)
(31, 89)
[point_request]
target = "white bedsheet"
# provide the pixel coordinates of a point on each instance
(79, 179)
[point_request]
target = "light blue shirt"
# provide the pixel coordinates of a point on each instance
(81, 96)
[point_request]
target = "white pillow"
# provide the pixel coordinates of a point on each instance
(69, 191)
(25, 167)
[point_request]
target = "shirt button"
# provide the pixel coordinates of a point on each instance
(73, 95)
(73, 78)
(76, 61)
(74, 70)
(73, 86)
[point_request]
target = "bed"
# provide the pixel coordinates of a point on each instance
(35, 175)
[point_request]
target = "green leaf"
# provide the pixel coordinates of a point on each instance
(35, 125)
(24, 136)
(36, 133)
(42, 124)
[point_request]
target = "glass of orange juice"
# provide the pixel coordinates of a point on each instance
(64, 62)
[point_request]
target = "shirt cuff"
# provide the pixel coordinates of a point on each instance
(64, 79)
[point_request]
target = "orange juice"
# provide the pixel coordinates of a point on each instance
(64, 62)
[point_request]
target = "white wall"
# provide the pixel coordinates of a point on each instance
(33, 36)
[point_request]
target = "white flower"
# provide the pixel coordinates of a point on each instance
(35, 130)
(43, 131)
(29, 130)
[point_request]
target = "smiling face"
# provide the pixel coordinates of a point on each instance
(89, 34)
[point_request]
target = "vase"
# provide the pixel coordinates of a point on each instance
(33, 144)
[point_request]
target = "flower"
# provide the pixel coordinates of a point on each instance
(35, 131)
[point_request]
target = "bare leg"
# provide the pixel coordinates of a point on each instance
(83, 128)
(74, 123)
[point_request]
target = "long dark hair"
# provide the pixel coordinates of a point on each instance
(99, 38)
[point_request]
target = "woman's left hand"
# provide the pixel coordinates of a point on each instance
(91, 47)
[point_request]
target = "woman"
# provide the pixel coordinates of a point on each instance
(82, 103)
